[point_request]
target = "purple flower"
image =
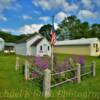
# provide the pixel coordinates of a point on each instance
(66, 64)
(41, 63)
(37, 60)
(59, 67)
(75, 58)
(34, 74)
(81, 60)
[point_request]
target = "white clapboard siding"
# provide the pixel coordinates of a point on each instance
(45, 50)
(31, 46)
(21, 49)
(29, 43)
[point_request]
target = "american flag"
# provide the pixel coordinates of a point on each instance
(52, 36)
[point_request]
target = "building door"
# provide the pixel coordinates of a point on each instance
(45, 49)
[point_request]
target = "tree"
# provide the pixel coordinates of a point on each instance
(45, 31)
(8, 37)
(95, 30)
(69, 27)
(73, 28)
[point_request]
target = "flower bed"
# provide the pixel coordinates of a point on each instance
(42, 63)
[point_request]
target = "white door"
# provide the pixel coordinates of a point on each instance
(45, 49)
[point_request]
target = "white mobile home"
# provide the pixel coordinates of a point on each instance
(9, 47)
(35, 45)
(1, 44)
(84, 46)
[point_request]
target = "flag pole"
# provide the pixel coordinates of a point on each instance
(52, 56)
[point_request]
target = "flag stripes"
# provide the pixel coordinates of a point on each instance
(53, 36)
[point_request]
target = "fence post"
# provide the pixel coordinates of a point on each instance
(47, 83)
(93, 65)
(17, 64)
(78, 73)
(26, 72)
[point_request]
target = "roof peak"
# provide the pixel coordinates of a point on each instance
(27, 38)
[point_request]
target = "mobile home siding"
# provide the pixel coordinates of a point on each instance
(73, 49)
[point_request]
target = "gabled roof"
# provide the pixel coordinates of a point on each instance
(37, 42)
(82, 41)
(9, 44)
(26, 38)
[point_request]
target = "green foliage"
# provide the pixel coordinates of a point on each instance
(8, 37)
(60, 78)
(72, 63)
(73, 28)
(68, 75)
(45, 31)
(53, 81)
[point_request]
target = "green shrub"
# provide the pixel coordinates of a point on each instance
(53, 80)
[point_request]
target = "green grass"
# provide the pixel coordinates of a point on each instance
(13, 86)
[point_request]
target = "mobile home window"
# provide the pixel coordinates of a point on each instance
(48, 48)
(97, 49)
(41, 48)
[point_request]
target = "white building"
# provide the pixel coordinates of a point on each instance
(9, 47)
(83, 46)
(35, 45)
(1, 44)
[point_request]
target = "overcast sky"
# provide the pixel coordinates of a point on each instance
(27, 16)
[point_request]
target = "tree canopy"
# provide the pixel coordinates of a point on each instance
(45, 31)
(75, 29)
(8, 37)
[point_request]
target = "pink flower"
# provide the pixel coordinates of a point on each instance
(34, 74)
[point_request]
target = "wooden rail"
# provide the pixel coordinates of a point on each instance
(68, 80)
(64, 71)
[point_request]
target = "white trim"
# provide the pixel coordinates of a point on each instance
(77, 41)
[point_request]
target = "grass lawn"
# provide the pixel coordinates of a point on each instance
(13, 86)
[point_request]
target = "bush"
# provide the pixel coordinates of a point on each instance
(99, 56)
(53, 80)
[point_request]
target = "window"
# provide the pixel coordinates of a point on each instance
(48, 48)
(41, 48)
(97, 49)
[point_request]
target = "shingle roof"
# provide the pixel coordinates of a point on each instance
(77, 41)
(26, 38)
(9, 44)
(37, 42)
